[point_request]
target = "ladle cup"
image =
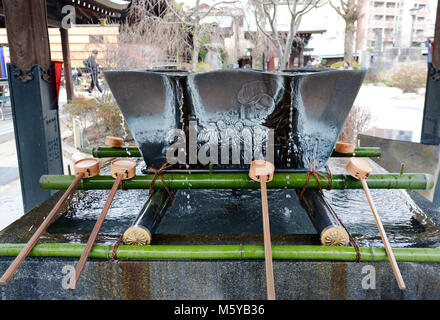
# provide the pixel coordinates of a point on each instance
(121, 169)
(344, 147)
(114, 142)
(84, 168)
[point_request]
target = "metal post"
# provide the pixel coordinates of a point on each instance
(33, 97)
(431, 113)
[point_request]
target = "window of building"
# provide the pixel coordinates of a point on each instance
(391, 5)
(379, 4)
(420, 19)
(96, 38)
(389, 18)
(388, 31)
(378, 17)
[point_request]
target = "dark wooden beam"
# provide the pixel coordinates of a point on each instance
(28, 38)
(67, 64)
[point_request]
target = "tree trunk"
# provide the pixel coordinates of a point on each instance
(284, 58)
(349, 40)
(196, 48)
(196, 37)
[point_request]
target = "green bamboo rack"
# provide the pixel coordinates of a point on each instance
(130, 151)
(219, 252)
(242, 181)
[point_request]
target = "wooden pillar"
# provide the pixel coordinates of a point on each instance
(33, 97)
(28, 38)
(67, 64)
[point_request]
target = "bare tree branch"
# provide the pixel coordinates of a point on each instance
(215, 5)
(269, 9)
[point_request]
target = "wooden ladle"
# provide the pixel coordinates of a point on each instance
(114, 142)
(360, 169)
(344, 147)
(121, 169)
(84, 168)
(262, 171)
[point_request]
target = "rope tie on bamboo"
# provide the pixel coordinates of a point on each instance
(316, 175)
(159, 173)
(115, 248)
(329, 177)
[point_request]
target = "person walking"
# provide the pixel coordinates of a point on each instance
(92, 65)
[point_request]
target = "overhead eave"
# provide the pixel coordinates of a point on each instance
(119, 5)
(107, 7)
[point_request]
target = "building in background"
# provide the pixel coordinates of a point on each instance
(82, 40)
(394, 30)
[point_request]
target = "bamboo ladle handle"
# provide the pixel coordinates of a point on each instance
(121, 169)
(36, 236)
(262, 171)
(360, 169)
(384, 237)
(84, 256)
(267, 242)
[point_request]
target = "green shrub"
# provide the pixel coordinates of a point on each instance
(84, 109)
(409, 77)
(101, 117)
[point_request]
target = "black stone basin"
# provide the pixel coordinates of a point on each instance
(301, 111)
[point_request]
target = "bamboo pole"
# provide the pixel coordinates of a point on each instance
(229, 252)
(130, 151)
(323, 219)
(242, 181)
(110, 152)
(36, 236)
(147, 221)
(94, 234)
(366, 152)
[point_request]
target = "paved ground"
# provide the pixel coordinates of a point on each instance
(392, 109)
(6, 130)
(11, 206)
